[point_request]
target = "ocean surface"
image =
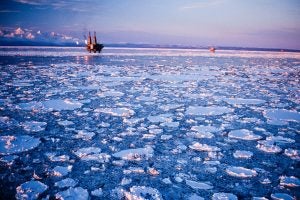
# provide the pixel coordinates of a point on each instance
(149, 124)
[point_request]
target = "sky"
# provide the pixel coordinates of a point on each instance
(242, 23)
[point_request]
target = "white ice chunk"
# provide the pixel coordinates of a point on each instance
(281, 196)
(85, 135)
(59, 105)
(65, 123)
(139, 192)
(203, 147)
(77, 193)
(195, 197)
(243, 134)
(224, 196)
(240, 172)
(199, 185)
(34, 126)
(209, 110)
(292, 153)
(62, 171)
(165, 137)
(291, 181)
(67, 182)
(282, 114)
(30, 190)
(238, 101)
(97, 192)
(135, 154)
(243, 154)
(268, 146)
(17, 144)
(119, 112)
(92, 154)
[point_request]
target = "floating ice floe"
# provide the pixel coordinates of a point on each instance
(140, 192)
(203, 147)
(110, 93)
(281, 196)
(291, 181)
(240, 172)
(200, 135)
(280, 139)
(135, 154)
(201, 128)
(33, 126)
(136, 170)
(224, 196)
(281, 115)
(54, 158)
(97, 192)
(30, 190)
(16, 144)
(85, 135)
(77, 193)
(118, 112)
(9, 159)
(195, 197)
(62, 171)
(92, 154)
(165, 137)
(49, 105)
(160, 118)
(242, 154)
(209, 110)
(292, 153)
(199, 185)
(243, 134)
(268, 146)
(240, 101)
(67, 182)
(65, 123)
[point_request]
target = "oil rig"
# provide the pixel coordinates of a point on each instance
(93, 46)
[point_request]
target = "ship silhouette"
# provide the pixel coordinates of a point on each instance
(92, 45)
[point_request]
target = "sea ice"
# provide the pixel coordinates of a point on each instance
(16, 144)
(199, 185)
(77, 193)
(243, 154)
(240, 172)
(85, 135)
(291, 181)
(282, 114)
(238, 101)
(119, 112)
(224, 196)
(30, 190)
(139, 192)
(209, 110)
(67, 182)
(243, 134)
(203, 147)
(62, 171)
(92, 154)
(268, 146)
(135, 154)
(281, 196)
(292, 153)
(59, 105)
(97, 192)
(33, 126)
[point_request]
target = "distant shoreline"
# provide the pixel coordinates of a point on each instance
(130, 45)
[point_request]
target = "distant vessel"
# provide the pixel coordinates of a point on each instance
(93, 46)
(212, 49)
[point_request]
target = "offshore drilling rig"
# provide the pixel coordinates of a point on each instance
(93, 46)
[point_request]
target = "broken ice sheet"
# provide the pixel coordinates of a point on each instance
(92, 154)
(119, 112)
(77, 193)
(67, 182)
(135, 154)
(281, 115)
(224, 196)
(16, 144)
(243, 134)
(240, 172)
(33, 126)
(30, 190)
(243, 154)
(291, 181)
(209, 110)
(61, 170)
(199, 185)
(203, 147)
(85, 135)
(237, 101)
(139, 193)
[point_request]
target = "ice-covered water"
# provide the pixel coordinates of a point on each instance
(149, 124)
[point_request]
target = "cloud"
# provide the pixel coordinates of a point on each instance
(202, 4)
(75, 5)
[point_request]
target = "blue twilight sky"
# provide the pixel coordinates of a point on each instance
(251, 23)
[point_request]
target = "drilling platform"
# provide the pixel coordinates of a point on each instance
(93, 46)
